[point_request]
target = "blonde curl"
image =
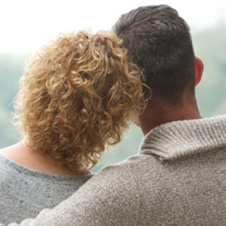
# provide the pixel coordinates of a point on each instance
(76, 97)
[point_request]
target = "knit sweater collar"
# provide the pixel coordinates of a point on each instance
(183, 138)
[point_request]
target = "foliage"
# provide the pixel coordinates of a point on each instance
(210, 45)
(11, 68)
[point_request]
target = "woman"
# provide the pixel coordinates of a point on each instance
(76, 97)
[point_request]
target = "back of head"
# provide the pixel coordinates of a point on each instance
(76, 96)
(158, 41)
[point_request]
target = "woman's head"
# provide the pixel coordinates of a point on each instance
(76, 97)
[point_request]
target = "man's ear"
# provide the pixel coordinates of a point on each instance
(199, 67)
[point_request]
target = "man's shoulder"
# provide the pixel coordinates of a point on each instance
(131, 165)
(126, 173)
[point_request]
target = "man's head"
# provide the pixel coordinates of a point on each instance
(159, 42)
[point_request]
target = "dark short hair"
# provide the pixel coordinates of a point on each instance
(159, 42)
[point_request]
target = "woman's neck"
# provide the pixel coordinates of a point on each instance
(25, 155)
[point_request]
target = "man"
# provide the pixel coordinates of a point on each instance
(178, 177)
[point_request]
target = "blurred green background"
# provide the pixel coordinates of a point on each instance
(209, 44)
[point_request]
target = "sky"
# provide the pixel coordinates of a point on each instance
(25, 25)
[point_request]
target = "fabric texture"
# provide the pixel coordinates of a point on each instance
(25, 192)
(178, 178)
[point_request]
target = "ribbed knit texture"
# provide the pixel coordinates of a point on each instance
(178, 179)
(25, 192)
(185, 138)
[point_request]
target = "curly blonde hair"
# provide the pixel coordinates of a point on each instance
(76, 96)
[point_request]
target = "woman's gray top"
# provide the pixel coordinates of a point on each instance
(25, 192)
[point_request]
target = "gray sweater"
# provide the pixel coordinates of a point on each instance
(178, 178)
(25, 192)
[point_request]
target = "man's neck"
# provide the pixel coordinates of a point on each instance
(154, 116)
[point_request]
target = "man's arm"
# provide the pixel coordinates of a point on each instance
(110, 198)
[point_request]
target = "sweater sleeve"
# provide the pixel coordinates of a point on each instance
(109, 198)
